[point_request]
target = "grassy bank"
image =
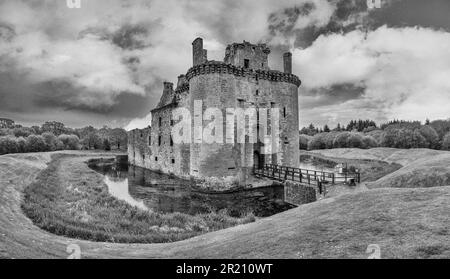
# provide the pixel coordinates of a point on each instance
(71, 200)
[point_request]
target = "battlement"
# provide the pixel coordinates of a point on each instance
(212, 67)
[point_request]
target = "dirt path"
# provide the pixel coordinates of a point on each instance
(335, 227)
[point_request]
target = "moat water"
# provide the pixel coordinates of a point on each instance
(158, 192)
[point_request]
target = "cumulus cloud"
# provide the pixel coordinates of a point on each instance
(139, 123)
(404, 71)
(117, 52)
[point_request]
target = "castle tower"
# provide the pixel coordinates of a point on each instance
(243, 80)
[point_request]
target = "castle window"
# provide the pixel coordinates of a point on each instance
(156, 159)
(160, 122)
(159, 140)
(171, 141)
(173, 161)
(143, 157)
(171, 122)
(149, 140)
(257, 92)
(284, 112)
(246, 63)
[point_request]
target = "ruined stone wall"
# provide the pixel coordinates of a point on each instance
(257, 55)
(298, 194)
(138, 147)
(168, 156)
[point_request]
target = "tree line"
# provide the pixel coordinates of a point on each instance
(52, 136)
(366, 134)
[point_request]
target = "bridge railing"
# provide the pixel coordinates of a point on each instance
(283, 173)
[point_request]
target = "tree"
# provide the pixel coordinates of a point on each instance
(304, 139)
(317, 142)
(69, 142)
(355, 141)
(23, 132)
(369, 142)
(341, 140)
(50, 141)
(21, 145)
(326, 129)
(54, 127)
(446, 142)
(431, 136)
(8, 144)
(118, 137)
(92, 141)
(35, 144)
(106, 145)
(442, 127)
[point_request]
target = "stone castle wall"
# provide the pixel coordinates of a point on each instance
(235, 83)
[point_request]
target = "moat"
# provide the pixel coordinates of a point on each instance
(158, 192)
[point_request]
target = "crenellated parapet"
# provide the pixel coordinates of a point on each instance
(182, 88)
(215, 67)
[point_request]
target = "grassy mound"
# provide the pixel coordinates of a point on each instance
(404, 223)
(428, 172)
(71, 200)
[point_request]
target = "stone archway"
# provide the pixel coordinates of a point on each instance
(258, 160)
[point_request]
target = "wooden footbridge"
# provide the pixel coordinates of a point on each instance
(304, 176)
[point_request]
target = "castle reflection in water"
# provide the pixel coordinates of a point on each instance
(162, 193)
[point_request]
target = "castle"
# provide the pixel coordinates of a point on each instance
(242, 80)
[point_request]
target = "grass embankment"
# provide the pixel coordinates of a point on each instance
(405, 223)
(70, 199)
(419, 167)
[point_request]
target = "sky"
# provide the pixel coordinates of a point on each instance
(105, 62)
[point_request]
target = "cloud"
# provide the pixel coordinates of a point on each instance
(139, 123)
(404, 71)
(113, 53)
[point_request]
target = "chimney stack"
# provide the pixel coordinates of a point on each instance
(198, 53)
(287, 61)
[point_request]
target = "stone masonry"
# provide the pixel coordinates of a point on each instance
(242, 80)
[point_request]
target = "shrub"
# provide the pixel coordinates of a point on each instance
(318, 142)
(431, 136)
(369, 142)
(355, 141)
(446, 142)
(21, 145)
(341, 140)
(329, 139)
(50, 141)
(71, 142)
(36, 144)
(8, 144)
